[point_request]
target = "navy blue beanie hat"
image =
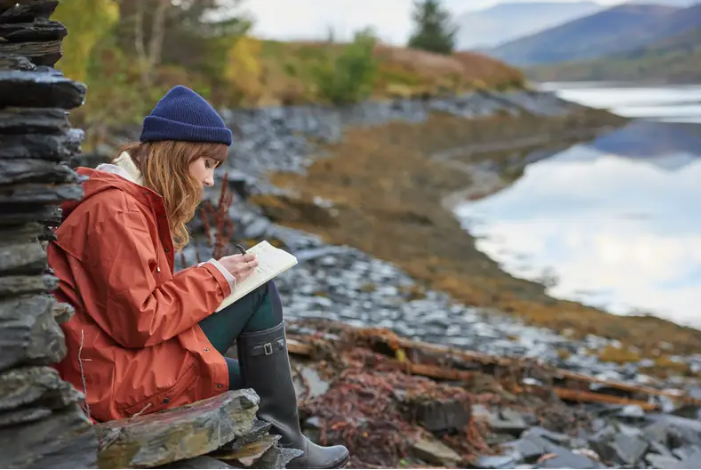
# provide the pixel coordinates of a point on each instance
(184, 115)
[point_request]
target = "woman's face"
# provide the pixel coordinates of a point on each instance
(203, 170)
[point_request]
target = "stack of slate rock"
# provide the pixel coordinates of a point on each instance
(42, 422)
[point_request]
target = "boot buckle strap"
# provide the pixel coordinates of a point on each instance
(268, 349)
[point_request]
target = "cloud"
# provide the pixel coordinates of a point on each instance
(617, 232)
(311, 19)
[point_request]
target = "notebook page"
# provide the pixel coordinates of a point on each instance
(271, 263)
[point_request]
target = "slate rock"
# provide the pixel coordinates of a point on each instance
(508, 421)
(277, 457)
(177, 434)
(619, 447)
(36, 171)
(14, 286)
(201, 462)
(37, 31)
(39, 194)
(29, 333)
(26, 11)
(22, 258)
(15, 62)
(65, 439)
(33, 120)
(570, 460)
(39, 90)
(29, 387)
(21, 214)
(249, 453)
(439, 415)
(259, 429)
(663, 461)
(62, 312)
(58, 147)
(496, 461)
(20, 416)
(39, 52)
(433, 451)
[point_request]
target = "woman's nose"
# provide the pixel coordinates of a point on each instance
(209, 181)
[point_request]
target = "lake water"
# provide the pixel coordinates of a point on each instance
(615, 222)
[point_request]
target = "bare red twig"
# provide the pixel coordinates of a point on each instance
(220, 221)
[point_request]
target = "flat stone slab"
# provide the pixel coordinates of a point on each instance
(25, 170)
(25, 11)
(40, 30)
(39, 89)
(15, 62)
(56, 147)
(63, 439)
(22, 257)
(29, 333)
(39, 52)
(39, 194)
(12, 215)
(178, 434)
(14, 286)
(33, 121)
(31, 393)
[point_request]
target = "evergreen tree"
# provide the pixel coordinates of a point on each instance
(434, 30)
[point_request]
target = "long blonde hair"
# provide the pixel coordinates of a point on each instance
(165, 168)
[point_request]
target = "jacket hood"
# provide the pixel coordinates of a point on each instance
(121, 175)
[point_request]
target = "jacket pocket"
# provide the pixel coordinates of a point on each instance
(164, 398)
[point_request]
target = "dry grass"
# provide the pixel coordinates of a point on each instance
(388, 196)
(401, 72)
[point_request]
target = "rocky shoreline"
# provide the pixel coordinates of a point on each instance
(281, 155)
(342, 283)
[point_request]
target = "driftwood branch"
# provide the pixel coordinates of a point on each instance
(443, 363)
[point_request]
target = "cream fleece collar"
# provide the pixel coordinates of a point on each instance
(125, 167)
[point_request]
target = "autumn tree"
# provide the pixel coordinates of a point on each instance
(433, 28)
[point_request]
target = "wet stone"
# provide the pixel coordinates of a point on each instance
(15, 62)
(63, 439)
(177, 434)
(19, 214)
(13, 286)
(26, 12)
(40, 90)
(17, 171)
(38, 194)
(40, 53)
(28, 388)
(53, 147)
(29, 333)
(36, 31)
(33, 120)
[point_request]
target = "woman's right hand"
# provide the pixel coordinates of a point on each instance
(240, 266)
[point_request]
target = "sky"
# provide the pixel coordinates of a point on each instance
(311, 19)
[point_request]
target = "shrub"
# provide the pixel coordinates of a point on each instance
(350, 76)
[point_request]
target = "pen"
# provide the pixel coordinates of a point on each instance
(241, 249)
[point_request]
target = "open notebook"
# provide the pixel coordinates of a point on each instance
(271, 262)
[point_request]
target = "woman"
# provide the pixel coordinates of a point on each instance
(144, 339)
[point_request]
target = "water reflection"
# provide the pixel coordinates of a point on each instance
(669, 104)
(616, 220)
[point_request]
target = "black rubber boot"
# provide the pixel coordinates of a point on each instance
(265, 366)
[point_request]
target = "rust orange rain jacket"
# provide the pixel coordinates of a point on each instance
(142, 349)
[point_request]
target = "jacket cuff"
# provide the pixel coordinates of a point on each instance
(219, 269)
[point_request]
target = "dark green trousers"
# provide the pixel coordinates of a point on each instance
(259, 310)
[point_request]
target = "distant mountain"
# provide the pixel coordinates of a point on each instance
(507, 21)
(604, 33)
(676, 59)
(669, 146)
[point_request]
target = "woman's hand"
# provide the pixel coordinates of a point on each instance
(240, 266)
